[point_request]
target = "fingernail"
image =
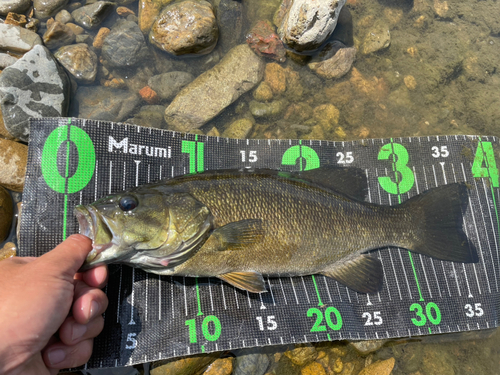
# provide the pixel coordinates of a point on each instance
(56, 356)
(78, 331)
(94, 309)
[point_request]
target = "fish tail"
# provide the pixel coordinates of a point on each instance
(438, 216)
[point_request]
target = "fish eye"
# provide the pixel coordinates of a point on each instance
(128, 203)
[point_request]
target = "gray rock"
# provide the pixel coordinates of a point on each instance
(47, 8)
(6, 60)
(230, 21)
(167, 85)
(304, 25)
(79, 60)
(85, 38)
(251, 364)
(368, 346)
(377, 38)
(103, 103)
(149, 115)
(124, 45)
(204, 98)
(35, 86)
(91, 16)
(334, 61)
(15, 6)
(58, 35)
(17, 39)
(64, 16)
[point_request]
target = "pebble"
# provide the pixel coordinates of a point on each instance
(64, 16)
(313, 368)
(221, 366)
(84, 38)
(379, 368)
(254, 363)
(16, 19)
(149, 11)
(326, 115)
(168, 85)
(192, 365)
(204, 98)
(13, 157)
(336, 62)
(79, 60)
(263, 92)
(238, 129)
(410, 82)
(17, 39)
(187, 27)
(100, 36)
(124, 45)
(275, 76)
(3, 131)
(58, 35)
(302, 354)
(377, 38)
(6, 60)
(149, 95)
(304, 25)
(6, 212)
(16, 6)
(150, 116)
(91, 16)
(265, 42)
(124, 11)
(230, 21)
(35, 86)
(8, 250)
(77, 30)
(47, 8)
(271, 109)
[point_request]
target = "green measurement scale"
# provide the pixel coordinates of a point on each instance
(151, 317)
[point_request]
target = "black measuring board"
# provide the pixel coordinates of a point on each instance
(151, 317)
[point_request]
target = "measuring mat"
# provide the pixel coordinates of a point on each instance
(151, 317)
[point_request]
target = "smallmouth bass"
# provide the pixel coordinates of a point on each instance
(238, 225)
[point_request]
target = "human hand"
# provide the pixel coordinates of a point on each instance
(38, 334)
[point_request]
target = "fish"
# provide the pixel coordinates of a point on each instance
(242, 225)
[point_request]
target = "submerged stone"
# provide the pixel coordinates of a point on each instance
(79, 60)
(17, 39)
(124, 45)
(91, 16)
(47, 8)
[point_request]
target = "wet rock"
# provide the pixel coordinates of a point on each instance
(302, 354)
(103, 103)
(149, 11)
(271, 109)
(326, 115)
(238, 129)
(35, 86)
(84, 38)
(77, 30)
(58, 35)
(91, 16)
(8, 250)
(17, 39)
(260, 10)
(6, 211)
(313, 368)
(151, 116)
(32, 25)
(124, 12)
(304, 25)
(204, 98)
(16, 19)
(367, 346)
(335, 61)
(194, 365)
(6, 60)
(13, 157)
(64, 16)
(100, 36)
(79, 60)
(3, 131)
(47, 8)
(376, 39)
(275, 76)
(187, 27)
(168, 85)
(149, 95)
(230, 22)
(265, 42)
(379, 368)
(221, 366)
(15, 6)
(124, 45)
(263, 92)
(251, 364)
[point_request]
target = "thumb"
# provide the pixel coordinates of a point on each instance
(68, 256)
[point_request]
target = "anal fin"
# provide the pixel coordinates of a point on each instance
(363, 274)
(251, 281)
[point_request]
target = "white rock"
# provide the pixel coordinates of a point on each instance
(17, 39)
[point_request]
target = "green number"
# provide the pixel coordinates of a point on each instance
(191, 323)
(417, 308)
(301, 152)
(403, 174)
(490, 170)
(217, 328)
(196, 151)
(317, 327)
(328, 313)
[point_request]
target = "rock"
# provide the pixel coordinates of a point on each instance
(187, 27)
(124, 45)
(302, 354)
(366, 347)
(100, 36)
(167, 85)
(326, 115)
(124, 11)
(204, 98)
(194, 365)
(263, 92)
(265, 42)
(377, 38)
(274, 108)
(35, 86)
(6, 60)
(84, 38)
(102, 103)
(32, 25)
(47, 8)
(149, 95)
(230, 22)
(6, 212)
(15, 6)
(8, 250)
(251, 364)
(305, 25)
(17, 39)
(260, 10)
(151, 116)
(77, 30)
(221, 366)
(379, 368)
(91, 16)
(3, 131)
(13, 157)
(313, 368)
(79, 60)
(275, 76)
(238, 129)
(64, 16)
(410, 82)
(335, 63)
(58, 35)
(149, 11)
(16, 19)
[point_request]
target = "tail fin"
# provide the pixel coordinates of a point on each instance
(439, 212)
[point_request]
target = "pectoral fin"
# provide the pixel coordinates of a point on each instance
(251, 281)
(363, 274)
(234, 236)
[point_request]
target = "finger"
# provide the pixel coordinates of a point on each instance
(72, 333)
(68, 256)
(88, 302)
(96, 277)
(61, 356)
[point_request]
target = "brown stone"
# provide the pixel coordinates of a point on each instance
(263, 92)
(194, 365)
(336, 66)
(148, 12)
(221, 366)
(16, 19)
(13, 157)
(275, 76)
(124, 11)
(379, 368)
(149, 95)
(302, 354)
(57, 35)
(6, 211)
(313, 368)
(265, 42)
(101, 35)
(3, 131)
(77, 30)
